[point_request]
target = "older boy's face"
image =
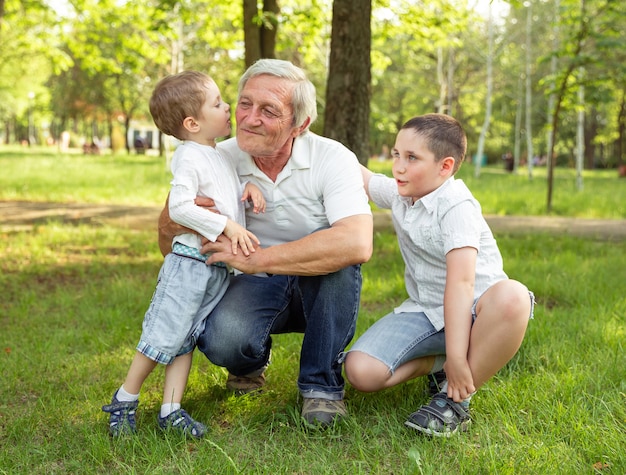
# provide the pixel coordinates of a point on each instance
(414, 166)
(265, 116)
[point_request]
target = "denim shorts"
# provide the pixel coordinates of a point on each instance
(400, 337)
(186, 292)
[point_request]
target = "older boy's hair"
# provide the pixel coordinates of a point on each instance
(443, 134)
(177, 97)
(303, 100)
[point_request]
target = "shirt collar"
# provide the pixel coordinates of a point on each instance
(429, 202)
(300, 158)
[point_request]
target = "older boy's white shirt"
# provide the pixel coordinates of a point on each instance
(200, 170)
(448, 218)
(320, 184)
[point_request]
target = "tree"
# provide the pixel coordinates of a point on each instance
(29, 53)
(260, 29)
(488, 99)
(349, 76)
(584, 48)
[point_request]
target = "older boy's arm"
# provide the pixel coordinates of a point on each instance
(458, 301)
(366, 173)
(346, 242)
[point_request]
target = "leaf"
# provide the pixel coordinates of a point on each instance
(600, 465)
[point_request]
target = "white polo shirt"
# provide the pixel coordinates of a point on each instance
(448, 218)
(320, 184)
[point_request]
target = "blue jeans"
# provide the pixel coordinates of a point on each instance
(237, 332)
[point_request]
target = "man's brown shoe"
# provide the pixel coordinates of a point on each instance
(323, 411)
(245, 384)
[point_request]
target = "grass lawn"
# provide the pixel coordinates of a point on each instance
(72, 299)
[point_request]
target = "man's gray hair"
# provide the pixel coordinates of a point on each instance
(304, 101)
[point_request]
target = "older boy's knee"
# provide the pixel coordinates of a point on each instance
(364, 372)
(516, 302)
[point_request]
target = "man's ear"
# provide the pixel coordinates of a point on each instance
(304, 125)
(190, 124)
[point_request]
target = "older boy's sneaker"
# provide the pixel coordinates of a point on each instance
(323, 411)
(435, 380)
(441, 417)
(245, 384)
(122, 418)
(183, 423)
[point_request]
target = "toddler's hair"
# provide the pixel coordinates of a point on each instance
(177, 97)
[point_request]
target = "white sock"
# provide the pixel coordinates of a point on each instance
(438, 364)
(124, 396)
(168, 408)
(465, 402)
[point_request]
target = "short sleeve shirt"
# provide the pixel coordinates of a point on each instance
(320, 184)
(445, 219)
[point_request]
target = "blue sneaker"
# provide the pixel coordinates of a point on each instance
(122, 418)
(441, 417)
(182, 422)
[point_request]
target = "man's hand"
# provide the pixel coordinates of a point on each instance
(222, 251)
(347, 242)
(168, 228)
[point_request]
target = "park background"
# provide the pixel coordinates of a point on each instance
(529, 79)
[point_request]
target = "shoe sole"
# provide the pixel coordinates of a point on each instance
(462, 427)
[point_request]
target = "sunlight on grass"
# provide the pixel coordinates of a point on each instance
(72, 306)
(44, 174)
(73, 299)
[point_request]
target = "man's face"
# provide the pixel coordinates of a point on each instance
(265, 116)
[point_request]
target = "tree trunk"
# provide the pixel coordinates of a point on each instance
(348, 88)
(621, 127)
(529, 93)
(580, 133)
(485, 128)
(259, 30)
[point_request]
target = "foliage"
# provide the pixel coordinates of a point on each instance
(95, 63)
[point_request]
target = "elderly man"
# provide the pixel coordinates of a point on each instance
(315, 233)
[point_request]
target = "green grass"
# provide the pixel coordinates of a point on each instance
(45, 174)
(72, 300)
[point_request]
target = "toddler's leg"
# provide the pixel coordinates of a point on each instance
(176, 375)
(173, 416)
(126, 399)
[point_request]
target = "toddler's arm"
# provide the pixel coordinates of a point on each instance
(240, 236)
(252, 192)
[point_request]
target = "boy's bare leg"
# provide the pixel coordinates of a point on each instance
(369, 374)
(139, 370)
(176, 375)
(502, 317)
